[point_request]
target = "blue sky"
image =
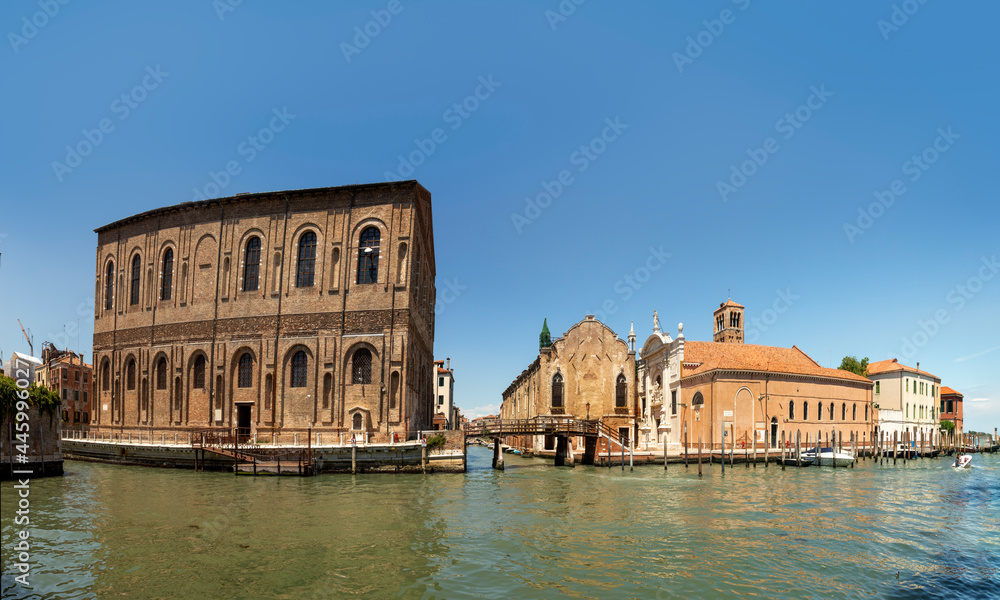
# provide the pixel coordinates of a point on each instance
(762, 148)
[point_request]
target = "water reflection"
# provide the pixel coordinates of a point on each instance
(531, 531)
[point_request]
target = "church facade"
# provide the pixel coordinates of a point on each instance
(275, 314)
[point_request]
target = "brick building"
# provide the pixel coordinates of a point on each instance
(746, 390)
(952, 410)
(65, 372)
(588, 373)
(274, 313)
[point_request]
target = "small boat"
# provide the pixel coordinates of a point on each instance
(490, 445)
(828, 458)
(963, 461)
(806, 461)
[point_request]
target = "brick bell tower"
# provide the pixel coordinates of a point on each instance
(728, 325)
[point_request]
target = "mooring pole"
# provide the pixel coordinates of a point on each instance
(732, 445)
(782, 450)
(685, 446)
(699, 455)
(722, 438)
(664, 454)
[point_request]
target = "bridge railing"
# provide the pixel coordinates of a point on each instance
(543, 425)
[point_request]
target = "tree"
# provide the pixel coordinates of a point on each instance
(947, 426)
(852, 364)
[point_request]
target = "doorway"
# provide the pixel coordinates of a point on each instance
(774, 432)
(243, 421)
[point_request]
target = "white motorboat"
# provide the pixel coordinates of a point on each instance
(830, 458)
(962, 461)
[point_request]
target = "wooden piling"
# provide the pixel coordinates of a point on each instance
(767, 447)
(664, 454)
(732, 445)
(622, 444)
(699, 455)
(685, 446)
(722, 433)
(798, 447)
(854, 450)
(753, 440)
(895, 448)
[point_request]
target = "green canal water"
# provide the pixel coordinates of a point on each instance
(922, 530)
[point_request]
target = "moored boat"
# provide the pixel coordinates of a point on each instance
(830, 458)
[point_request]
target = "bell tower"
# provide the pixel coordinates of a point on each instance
(728, 326)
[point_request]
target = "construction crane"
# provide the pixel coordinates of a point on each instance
(30, 345)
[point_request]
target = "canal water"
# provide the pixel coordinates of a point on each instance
(922, 530)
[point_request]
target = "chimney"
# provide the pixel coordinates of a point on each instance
(449, 364)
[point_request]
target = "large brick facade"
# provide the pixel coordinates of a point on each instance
(216, 314)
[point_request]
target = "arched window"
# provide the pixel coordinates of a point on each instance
(621, 392)
(843, 411)
(130, 375)
(136, 268)
(358, 421)
(819, 412)
(831, 411)
(907, 411)
(557, 391)
(161, 374)
(698, 400)
(368, 255)
(199, 372)
(245, 377)
(109, 286)
(805, 411)
(791, 410)
(362, 366)
(251, 265)
(168, 274)
(854, 412)
(866, 412)
(106, 377)
(299, 362)
(307, 260)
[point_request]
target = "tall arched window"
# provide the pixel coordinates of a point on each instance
(199, 372)
(831, 411)
(854, 412)
(358, 421)
(791, 410)
(109, 285)
(136, 268)
(299, 363)
(805, 411)
(361, 366)
(245, 376)
(557, 391)
(251, 265)
(907, 411)
(621, 392)
(106, 377)
(307, 260)
(368, 255)
(168, 274)
(866, 412)
(130, 375)
(819, 412)
(161, 373)
(843, 411)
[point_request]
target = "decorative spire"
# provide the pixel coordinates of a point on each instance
(545, 338)
(631, 337)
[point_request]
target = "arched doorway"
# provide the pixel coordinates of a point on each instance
(774, 432)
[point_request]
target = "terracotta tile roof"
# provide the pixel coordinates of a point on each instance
(444, 371)
(701, 357)
(730, 303)
(893, 365)
(947, 391)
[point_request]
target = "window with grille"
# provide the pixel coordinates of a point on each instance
(368, 250)
(362, 366)
(109, 285)
(136, 267)
(557, 391)
(199, 372)
(621, 392)
(251, 265)
(698, 400)
(161, 374)
(168, 274)
(307, 260)
(245, 375)
(299, 362)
